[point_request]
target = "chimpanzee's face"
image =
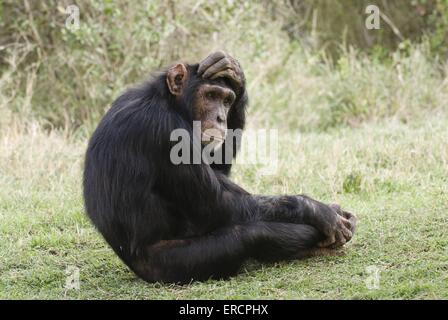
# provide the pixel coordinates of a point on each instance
(211, 102)
(211, 106)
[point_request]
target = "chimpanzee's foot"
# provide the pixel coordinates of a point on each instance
(346, 229)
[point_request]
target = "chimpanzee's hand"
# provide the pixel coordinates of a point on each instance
(337, 225)
(221, 65)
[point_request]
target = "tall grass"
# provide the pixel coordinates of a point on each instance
(56, 83)
(67, 79)
(372, 137)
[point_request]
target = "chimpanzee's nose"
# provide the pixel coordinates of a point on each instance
(221, 118)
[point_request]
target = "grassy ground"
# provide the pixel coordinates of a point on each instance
(393, 175)
(367, 131)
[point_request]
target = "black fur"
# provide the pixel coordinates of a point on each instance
(175, 223)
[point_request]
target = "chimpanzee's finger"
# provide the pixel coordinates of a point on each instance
(228, 74)
(347, 224)
(327, 242)
(353, 222)
(340, 240)
(221, 65)
(210, 60)
(336, 207)
(347, 214)
(351, 218)
(347, 233)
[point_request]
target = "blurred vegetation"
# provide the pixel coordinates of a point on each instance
(335, 24)
(371, 107)
(311, 64)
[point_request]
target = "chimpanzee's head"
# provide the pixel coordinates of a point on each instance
(210, 100)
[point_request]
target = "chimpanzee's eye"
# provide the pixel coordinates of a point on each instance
(227, 101)
(209, 95)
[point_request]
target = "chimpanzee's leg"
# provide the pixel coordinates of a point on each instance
(329, 219)
(221, 253)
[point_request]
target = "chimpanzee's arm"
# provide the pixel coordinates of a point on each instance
(222, 65)
(336, 225)
(305, 210)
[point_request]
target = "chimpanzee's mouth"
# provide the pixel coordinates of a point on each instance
(214, 136)
(208, 138)
(215, 140)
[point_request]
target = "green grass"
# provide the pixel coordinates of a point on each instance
(392, 175)
(366, 131)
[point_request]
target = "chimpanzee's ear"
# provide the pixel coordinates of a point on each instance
(176, 78)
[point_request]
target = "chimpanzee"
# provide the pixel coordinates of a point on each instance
(182, 222)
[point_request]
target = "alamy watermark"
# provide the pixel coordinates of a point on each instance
(373, 279)
(373, 20)
(72, 21)
(72, 281)
(258, 147)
